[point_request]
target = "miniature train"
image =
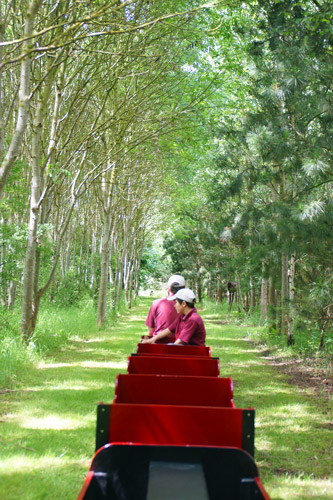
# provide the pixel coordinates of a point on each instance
(173, 432)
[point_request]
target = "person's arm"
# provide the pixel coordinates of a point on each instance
(161, 335)
(150, 331)
(179, 342)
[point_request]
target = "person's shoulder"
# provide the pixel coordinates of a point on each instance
(192, 315)
(197, 316)
(156, 302)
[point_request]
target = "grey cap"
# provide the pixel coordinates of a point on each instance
(183, 294)
(176, 279)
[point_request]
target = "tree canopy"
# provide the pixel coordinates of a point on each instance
(203, 125)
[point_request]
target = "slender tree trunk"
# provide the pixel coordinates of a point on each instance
(120, 281)
(272, 303)
(107, 190)
(252, 296)
(284, 294)
(326, 321)
(246, 301)
(239, 295)
(290, 334)
(104, 266)
(264, 295)
(137, 265)
(24, 97)
(92, 260)
(198, 281)
(219, 293)
(31, 265)
(12, 294)
(30, 259)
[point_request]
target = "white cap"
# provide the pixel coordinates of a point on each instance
(176, 279)
(183, 294)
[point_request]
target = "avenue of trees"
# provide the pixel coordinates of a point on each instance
(207, 125)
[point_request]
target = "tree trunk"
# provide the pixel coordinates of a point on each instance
(107, 220)
(271, 302)
(290, 333)
(92, 260)
(24, 98)
(284, 294)
(12, 294)
(264, 295)
(31, 264)
(246, 301)
(324, 325)
(104, 266)
(30, 259)
(252, 296)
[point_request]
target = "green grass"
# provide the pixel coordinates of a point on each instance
(48, 423)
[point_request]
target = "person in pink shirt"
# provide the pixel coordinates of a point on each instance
(162, 312)
(188, 327)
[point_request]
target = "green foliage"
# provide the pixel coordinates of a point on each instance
(222, 118)
(58, 324)
(71, 289)
(55, 327)
(15, 358)
(154, 267)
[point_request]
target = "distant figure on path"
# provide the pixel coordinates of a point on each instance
(188, 328)
(232, 293)
(162, 312)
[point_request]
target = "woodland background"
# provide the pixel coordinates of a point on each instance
(144, 138)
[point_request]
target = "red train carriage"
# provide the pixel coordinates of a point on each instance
(173, 432)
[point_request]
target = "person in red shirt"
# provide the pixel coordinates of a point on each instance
(162, 312)
(188, 328)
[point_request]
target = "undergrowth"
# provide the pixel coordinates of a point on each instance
(56, 325)
(306, 341)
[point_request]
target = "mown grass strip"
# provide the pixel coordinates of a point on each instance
(48, 424)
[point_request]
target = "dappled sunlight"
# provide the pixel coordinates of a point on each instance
(53, 431)
(235, 350)
(264, 444)
(300, 488)
(29, 464)
(294, 410)
(252, 362)
(121, 365)
(53, 422)
(87, 341)
(37, 418)
(133, 319)
(136, 330)
(224, 339)
(69, 385)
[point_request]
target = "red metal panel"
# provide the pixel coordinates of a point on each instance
(86, 484)
(176, 425)
(174, 390)
(173, 349)
(262, 489)
(176, 365)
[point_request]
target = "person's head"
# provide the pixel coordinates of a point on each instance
(184, 300)
(175, 282)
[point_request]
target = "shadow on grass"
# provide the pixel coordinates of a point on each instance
(48, 430)
(291, 428)
(48, 433)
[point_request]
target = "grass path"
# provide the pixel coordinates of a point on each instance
(47, 426)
